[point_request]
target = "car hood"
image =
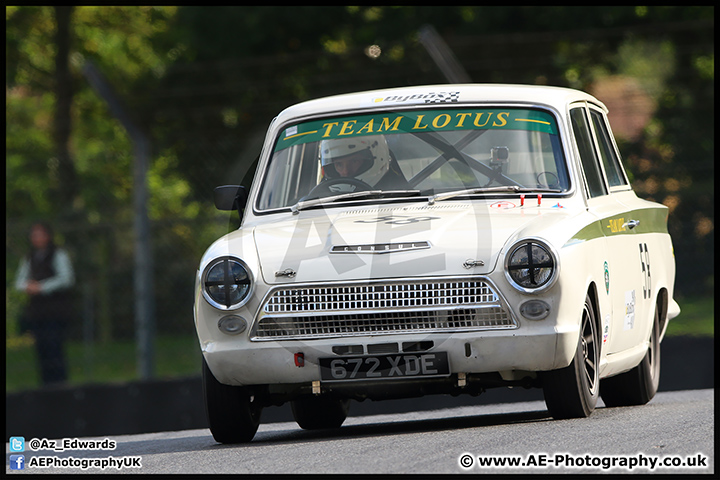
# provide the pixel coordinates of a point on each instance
(394, 241)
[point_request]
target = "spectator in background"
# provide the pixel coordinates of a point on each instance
(46, 275)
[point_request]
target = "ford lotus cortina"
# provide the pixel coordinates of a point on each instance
(433, 240)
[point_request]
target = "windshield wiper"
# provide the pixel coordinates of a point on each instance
(503, 188)
(295, 209)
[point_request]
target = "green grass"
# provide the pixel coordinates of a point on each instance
(179, 356)
(114, 362)
(697, 318)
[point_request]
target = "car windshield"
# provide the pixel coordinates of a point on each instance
(436, 152)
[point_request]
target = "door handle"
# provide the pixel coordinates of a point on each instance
(631, 224)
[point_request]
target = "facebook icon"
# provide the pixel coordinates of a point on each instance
(17, 462)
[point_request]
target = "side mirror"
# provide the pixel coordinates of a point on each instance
(230, 197)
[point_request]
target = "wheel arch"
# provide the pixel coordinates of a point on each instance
(661, 303)
(594, 301)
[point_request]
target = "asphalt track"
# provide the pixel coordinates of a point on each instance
(671, 434)
(177, 404)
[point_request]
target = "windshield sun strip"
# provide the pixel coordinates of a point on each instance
(551, 115)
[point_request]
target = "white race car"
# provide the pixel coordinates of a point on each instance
(434, 240)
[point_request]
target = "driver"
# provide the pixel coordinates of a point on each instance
(367, 159)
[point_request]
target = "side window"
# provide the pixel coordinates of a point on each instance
(588, 157)
(611, 162)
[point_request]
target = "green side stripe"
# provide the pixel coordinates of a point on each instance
(652, 220)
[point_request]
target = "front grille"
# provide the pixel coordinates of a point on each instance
(444, 305)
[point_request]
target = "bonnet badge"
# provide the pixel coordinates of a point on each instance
(470, 263)
(288, 272)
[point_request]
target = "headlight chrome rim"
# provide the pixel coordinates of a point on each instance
(553, 259)
(228, 281)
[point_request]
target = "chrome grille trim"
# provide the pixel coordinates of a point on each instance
(375, 308)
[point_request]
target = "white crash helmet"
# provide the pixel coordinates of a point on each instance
(375, 165)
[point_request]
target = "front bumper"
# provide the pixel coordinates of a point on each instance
(511, 347)
(529, 349)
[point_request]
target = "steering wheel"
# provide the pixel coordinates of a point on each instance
(548, 177)
(323, 188)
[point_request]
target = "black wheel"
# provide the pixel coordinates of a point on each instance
(639, 385)
(232, 416)
(323, 189)
(313, 413)
(572, 392)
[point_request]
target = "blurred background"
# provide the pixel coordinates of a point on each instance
(182, 96)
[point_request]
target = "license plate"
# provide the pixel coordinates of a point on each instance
(336, 369)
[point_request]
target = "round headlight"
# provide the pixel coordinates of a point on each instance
(227, 283)
(530, 266)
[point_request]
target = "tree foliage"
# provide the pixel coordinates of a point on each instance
(205, 82)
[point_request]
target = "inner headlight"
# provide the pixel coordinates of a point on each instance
(227, 283)
(530, 266)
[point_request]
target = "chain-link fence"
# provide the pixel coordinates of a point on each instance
(101, 343)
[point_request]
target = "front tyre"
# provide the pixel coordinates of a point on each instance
(639, 385)
(232, 416)
(572, 392)
(313, 413)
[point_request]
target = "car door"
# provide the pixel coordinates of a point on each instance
(617, 291)
(629, 234)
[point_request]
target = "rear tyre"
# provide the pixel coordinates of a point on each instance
(639, 385)
(232, 416)
(313, 413)
(572, 392)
